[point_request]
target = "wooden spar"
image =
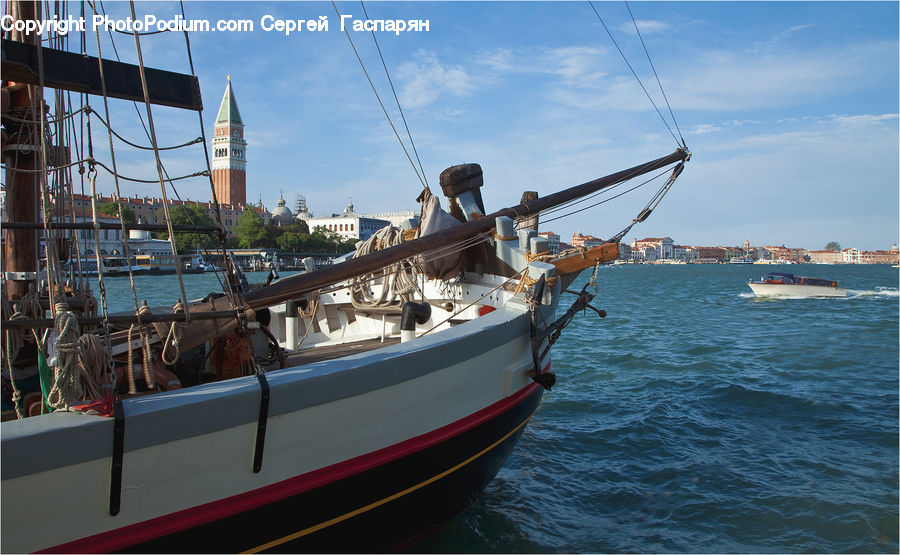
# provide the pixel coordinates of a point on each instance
(294, 286)
(121, 319)
(72, 71)
(103, 225)
(21, 157)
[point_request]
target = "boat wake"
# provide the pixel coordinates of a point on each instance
(878, 292)
(889, 292)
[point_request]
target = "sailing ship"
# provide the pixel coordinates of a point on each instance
(346, 408)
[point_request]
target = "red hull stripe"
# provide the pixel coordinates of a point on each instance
(370, 506)
(215, 510)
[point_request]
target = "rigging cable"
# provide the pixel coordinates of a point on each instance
(92, 169)
(371, 84)
(202, 138)
(159, 168)
(634, 73)
(226, 260)
(666, 98)
(391, 82)
(657, 176)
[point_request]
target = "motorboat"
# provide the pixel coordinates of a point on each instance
(780, 284)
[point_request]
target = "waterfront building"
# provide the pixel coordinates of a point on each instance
(665, 247)
(732, 253)
(684, 253)
(856, 256)
(850, 256)
(881, 257)
(624, 251)
(747, 251)
(710, 254)
(229, 161)
(762, 253)
(585, 241)
(552, 241)
(349, 224)
(787, 253)
(110, 239)
(404, 219)
(645, 254)
(825, 257)
(150, 209)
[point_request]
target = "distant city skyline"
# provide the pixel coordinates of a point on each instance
(630, 239)
(790, 109)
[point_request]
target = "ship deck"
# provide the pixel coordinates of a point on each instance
(329, 352)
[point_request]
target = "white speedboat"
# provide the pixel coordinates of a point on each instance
(779, 284)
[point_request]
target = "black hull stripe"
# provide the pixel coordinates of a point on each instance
(397, 495)
(372, 509)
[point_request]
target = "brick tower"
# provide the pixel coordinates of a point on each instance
(229, 163)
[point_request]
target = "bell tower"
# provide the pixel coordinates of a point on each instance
(229, 162)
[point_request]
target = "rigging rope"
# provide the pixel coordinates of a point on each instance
(634, 73)
(142, 147)
(604, 200)
(159, 169)
(67, 388)
(145, 348)
(51, 258)
(115, 175)
(666, 98)
(91, 362)
(399, 278)
(14, 342)
(380, 103)
(232, 291)
(396, 99)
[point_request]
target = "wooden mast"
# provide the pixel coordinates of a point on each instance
(22, 156)
(32, 66)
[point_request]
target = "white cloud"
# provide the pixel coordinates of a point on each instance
(704, 128)
(731, 81)
(577, 66)
(645, 26)
(426, 79)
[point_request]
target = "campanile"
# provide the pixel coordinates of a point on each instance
(229, 162)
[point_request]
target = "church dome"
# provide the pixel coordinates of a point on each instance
(304, 213)
(282, 214)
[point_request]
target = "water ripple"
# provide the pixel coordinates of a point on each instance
(698, 418)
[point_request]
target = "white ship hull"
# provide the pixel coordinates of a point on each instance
(792, 290)
(188, 455)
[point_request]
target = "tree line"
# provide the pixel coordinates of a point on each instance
(250, 232)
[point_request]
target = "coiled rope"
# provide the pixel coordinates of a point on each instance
(176, 331)
(526, 280)
(67, 388)
(399, 279)
(92, 362)
(14, 342)
(145, 347)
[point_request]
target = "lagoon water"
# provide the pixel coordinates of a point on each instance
(696, 418)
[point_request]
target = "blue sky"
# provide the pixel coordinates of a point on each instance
(790, 110)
